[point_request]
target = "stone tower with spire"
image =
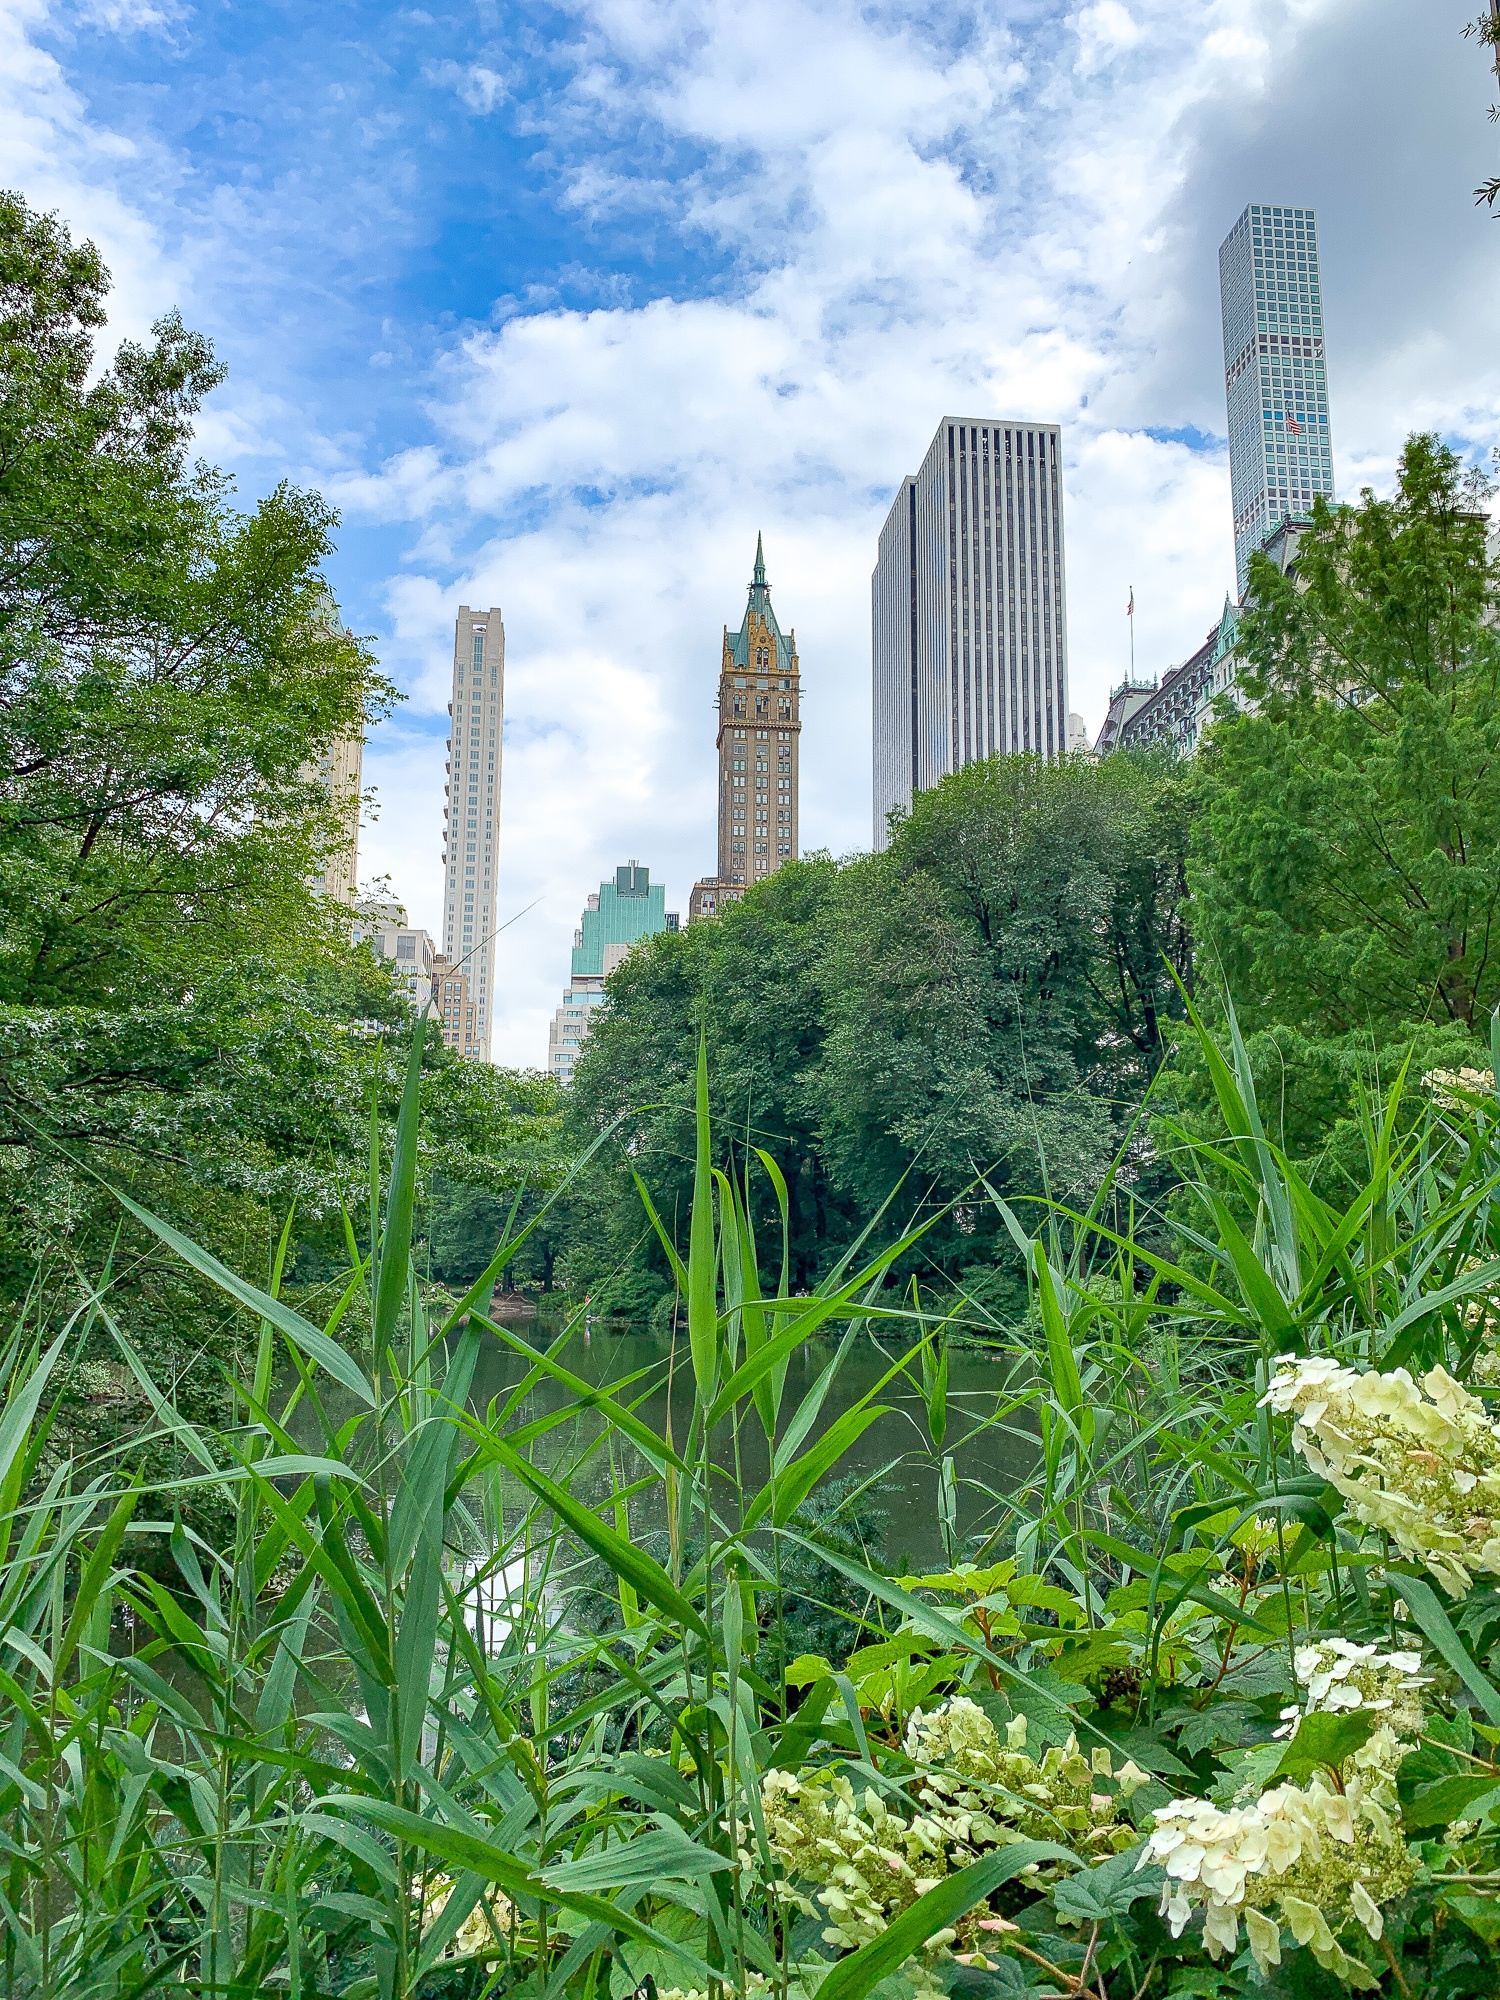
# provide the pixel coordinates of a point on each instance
(760, 724)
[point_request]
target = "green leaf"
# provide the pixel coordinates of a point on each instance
(652, 1447)
(802, 1475)
(646, 1576)
(464, 1849)
(394, 1272)
(951, 1899)
(1323, 1742)
(327, 1353)
(1422, 1602)
(664, 1853)
(1256, 1282)
(703, 1322)
(1480, 1280)
(1447, 1800)
(21, 1405)
(1062, 1363)
(1097, 1895)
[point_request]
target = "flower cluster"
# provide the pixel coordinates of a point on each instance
(1313, 1861)
(478, 1930)
(1342, 1678)
(967, 1768)
(1449, 1088)
(1423, 1464)
(975, 1792)
(871, 1863)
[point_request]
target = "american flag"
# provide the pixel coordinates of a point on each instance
(1130, 607)
(1292, 425)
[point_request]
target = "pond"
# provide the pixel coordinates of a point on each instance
(894, 1452)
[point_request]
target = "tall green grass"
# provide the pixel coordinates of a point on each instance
(433, 1722)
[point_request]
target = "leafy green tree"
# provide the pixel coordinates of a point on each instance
(750, 979)
(998, 981)
(1346, 865)
(991, 993)
(167, 664)
(180, 1013)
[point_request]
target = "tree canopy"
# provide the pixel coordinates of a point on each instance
(989, 995)
(1346, 867)
(180, 1011)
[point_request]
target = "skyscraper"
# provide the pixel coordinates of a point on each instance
(969, 618)
(614, 921)
(760, 726)
(473, 811)
(1275, 378)
(339, 769)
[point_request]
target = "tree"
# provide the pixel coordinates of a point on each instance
(167, 665)
(997, 982)
(991, 994)
(1346, 866)
(749, 979)
(180, 1013)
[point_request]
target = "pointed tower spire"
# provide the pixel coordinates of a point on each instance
(758, 582)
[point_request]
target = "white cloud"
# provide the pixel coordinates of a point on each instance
(476, 84)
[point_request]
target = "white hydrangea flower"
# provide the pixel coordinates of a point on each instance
(1320, 1858)
(1422, 1463)
(477, 1931)
(1446, 1086)
(1341, 1678)
(866, 1860)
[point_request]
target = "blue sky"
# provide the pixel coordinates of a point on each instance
(561, 304)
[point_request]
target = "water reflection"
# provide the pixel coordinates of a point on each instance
(894, 1452)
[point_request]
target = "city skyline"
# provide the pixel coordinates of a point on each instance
(556, 324)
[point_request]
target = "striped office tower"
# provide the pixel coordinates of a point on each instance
(969, 617)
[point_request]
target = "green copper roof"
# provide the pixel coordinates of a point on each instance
(631, 907)
(760, 602)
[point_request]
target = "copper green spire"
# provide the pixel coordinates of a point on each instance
(759, 579)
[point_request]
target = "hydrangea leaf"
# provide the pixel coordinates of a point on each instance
(1323, 1742)
(1096, 1895)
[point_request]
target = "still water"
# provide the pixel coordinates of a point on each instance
(895, 1452)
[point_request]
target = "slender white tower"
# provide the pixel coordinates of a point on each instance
(473, 815)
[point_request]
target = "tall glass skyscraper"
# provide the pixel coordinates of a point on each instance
(969, 626)
(1275, 378)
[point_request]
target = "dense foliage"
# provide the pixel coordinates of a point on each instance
(179, 1011)
(991, 994)
(508, 1702)
(1346, 871)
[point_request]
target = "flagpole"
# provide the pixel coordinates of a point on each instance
(1130, 615)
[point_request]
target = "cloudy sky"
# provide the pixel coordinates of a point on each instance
(562, 303)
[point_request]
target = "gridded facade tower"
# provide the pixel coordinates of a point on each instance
(473, 816)
(1275, 377)
(760, 723)
(969, 617)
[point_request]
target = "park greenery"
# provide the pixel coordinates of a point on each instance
(180, 1015)
(1168, 1087)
